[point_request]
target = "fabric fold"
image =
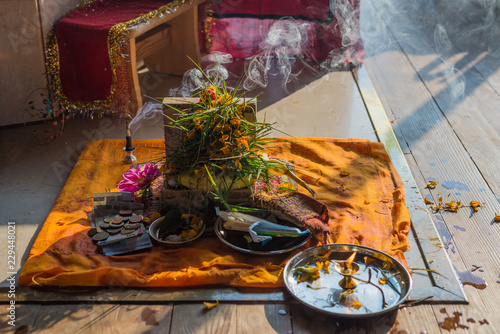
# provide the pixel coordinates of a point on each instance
(354, 178)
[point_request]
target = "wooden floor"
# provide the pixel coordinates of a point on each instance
(438, 79)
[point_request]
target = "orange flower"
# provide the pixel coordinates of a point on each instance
(431, 184)
(210, 306)
(475, 205)
(237, 163)
(427, 201)
(226, 150)
(357, 305)
(190, 134)
(243, 141)
(208, 94)
(320, 265)
(235, 121)
(224, 138)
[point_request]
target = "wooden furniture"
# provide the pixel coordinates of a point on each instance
(164, 44)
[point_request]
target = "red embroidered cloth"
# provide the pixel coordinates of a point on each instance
(82, 36)
(241, 28)
(312, 10)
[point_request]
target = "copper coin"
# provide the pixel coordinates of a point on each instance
(104, 226)
(125, 212)
(113, 225)
(132, 226)
(108, 219)
(92, 232)
(135, 219)
(114, 230)
(100, 236)
(116, 220)
(125, 231)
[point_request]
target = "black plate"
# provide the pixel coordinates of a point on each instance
(278, 245)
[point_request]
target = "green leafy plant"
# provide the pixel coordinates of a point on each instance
(217, 148)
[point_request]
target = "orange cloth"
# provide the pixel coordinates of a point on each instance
(369, 210)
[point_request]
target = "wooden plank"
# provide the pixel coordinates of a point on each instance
(465, 99)
(307, 321)
(419, 319)
(477, 309)
(231, 318)
(23, 321)
(426, 248)
(462, 319)
(130, 296)
(438, 152)
(84, 318)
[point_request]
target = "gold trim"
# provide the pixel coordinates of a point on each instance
(116, 56)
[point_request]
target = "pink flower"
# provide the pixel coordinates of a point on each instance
(138, 178)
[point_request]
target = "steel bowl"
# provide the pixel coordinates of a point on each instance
(389, 281)
(153, 232)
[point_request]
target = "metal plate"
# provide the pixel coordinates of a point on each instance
(382, 282)
(278, 245)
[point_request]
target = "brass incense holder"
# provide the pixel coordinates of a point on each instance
(129, 158)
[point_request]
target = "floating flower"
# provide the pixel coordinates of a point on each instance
(139, 178)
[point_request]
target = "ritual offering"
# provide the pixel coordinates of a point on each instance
(176, 228)
(117, 222)
(347, 280)
(253, 235)
(215, 147)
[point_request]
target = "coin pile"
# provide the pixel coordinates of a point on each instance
(125, 222)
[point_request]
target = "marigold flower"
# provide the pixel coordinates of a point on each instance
(475, 205)
(427, 201)
(326, 268)
(243, 141)
(431, 184)
(210, 306)
(320, 265)
(208, 94)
